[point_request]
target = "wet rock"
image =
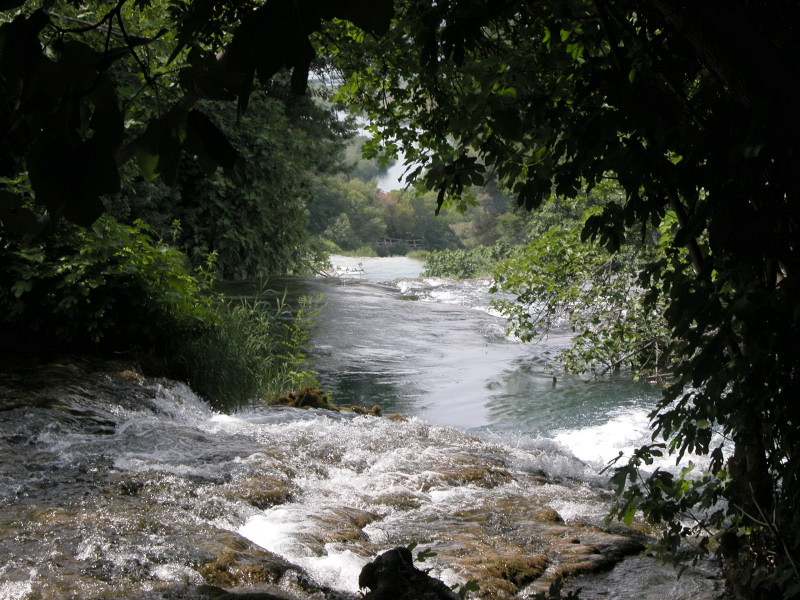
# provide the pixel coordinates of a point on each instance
(375, 411)
(592, 551)
(547, 515)
(307, 397)
(466, 470)
(132, 376)
(393, 576)
(401, 499)
(344, 524)
(516, 547)
(262, 592)
(239, 562)
(505, 573)
(262, 492)
(210, 592)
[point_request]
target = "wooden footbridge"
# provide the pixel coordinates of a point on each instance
(406, 243)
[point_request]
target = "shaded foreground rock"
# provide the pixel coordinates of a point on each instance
(393, 576)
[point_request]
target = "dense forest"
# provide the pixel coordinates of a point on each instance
(151, 147)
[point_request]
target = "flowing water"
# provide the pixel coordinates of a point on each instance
(114, 485)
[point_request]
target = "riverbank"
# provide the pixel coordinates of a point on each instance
(119, 485)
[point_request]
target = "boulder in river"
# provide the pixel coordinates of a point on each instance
(393, 576)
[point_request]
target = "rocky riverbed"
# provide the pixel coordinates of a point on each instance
(116, 485)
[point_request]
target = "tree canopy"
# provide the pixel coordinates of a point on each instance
(85, 88)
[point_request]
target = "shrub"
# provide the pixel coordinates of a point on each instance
(254, 350)
(114, 288)
(362, 252)
(367, 251)
(109, 286)
(330, 247)
(464, 264)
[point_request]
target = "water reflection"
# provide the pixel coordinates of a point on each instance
(395, 393)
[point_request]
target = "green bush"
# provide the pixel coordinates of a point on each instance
(114, 288)
(367, 251)
(330, 247)
(464, 264)
(418, 254)
(259, 227)
(361, 252)
(108, 286)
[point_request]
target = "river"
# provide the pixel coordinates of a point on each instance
(434, 348)
(116, 485)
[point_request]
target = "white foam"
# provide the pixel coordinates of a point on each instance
(16, 590)
(177, 573)
(339, 570)
(274, 530)
(601, 443)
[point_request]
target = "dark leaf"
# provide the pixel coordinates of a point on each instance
(206, 77)
(204, 139)
(11, 4)
(107, 120)
(15, 218)
(370, 15)
(69, 180)
(158, 150)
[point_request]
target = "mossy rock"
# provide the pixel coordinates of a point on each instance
(237, 562)
(547, 515)
(307, 397)
(519, 569)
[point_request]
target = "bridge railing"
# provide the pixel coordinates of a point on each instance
(408, 243)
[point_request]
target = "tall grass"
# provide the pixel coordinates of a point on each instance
(255, 350)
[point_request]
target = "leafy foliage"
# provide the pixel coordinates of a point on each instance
(254, 349)
(86, 87)
(259, 227)
(107, 285)
(361, 168)
(113, 288)
(558, 281)
(353, 214)
(464, 264)
(347, 212)
(677, 100)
